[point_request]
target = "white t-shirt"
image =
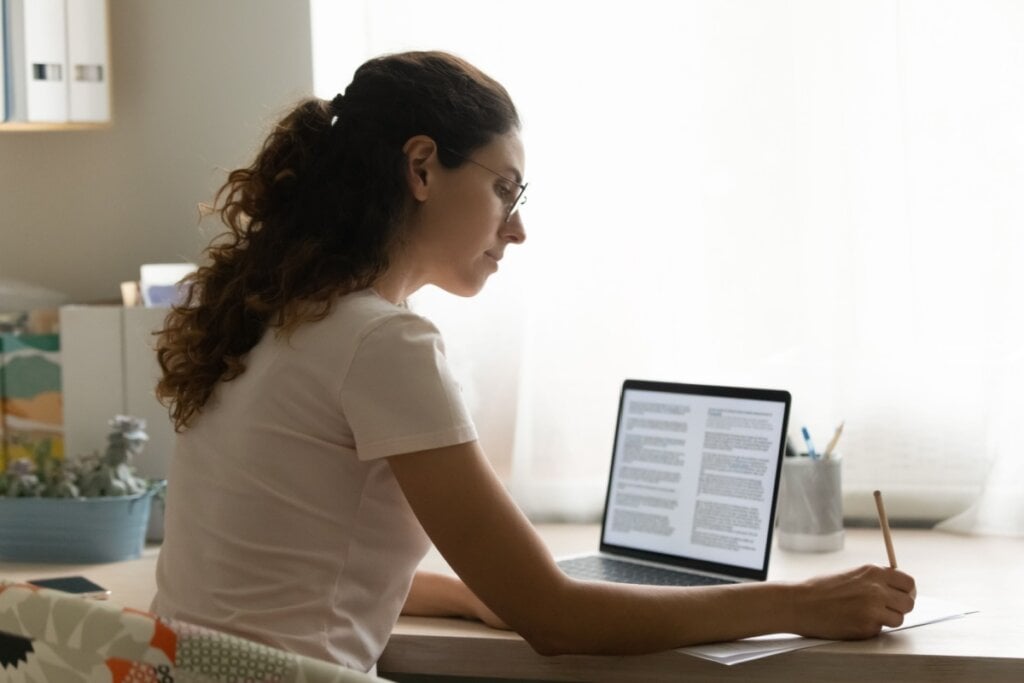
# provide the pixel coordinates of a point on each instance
(284, 523)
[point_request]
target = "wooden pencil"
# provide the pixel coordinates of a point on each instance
(886, 534)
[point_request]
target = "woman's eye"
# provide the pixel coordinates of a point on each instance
(504, 191)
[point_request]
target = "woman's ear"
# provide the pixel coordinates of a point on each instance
(420, 156)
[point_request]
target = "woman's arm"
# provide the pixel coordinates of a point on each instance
(440, 595)
(491, 545)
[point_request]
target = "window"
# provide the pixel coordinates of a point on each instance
(820, 196)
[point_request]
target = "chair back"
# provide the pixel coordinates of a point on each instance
(46, 635)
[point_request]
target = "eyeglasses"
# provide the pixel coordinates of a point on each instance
(520, 198)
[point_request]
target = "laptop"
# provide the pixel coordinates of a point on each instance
(693, 486)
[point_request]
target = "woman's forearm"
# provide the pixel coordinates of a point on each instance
(441, 595)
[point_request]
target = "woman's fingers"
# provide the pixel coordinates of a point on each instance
(892, 618)
(899, 580)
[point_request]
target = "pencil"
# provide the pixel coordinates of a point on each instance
(886, 534)
(835, 439)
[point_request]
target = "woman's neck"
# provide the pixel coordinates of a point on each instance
(399, 282)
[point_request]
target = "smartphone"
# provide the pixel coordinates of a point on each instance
(79, 585)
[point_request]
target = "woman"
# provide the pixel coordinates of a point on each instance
(323, 440)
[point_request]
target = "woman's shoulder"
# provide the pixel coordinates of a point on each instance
(358, 320)
(365, 312)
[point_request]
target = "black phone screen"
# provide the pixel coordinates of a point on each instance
(72, 584)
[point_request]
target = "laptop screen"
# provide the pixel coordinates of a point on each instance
(695, 472)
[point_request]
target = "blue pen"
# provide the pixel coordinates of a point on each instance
(810, 444)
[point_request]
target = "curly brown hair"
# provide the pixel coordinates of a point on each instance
(317, 213)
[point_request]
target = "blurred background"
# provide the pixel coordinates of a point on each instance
(813, 195)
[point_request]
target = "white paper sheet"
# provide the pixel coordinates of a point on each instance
(926, 611)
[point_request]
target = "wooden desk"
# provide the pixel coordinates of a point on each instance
(977, 572)
(980, 573)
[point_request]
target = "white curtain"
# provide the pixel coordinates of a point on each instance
(814, 195)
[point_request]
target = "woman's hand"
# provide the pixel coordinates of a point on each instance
(440, 595)
(853, 604)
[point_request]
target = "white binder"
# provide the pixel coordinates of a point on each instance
(88, 64)
(37, 56)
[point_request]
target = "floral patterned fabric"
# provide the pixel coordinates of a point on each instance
(51, 637)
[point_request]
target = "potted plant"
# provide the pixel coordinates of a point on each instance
(87, 509)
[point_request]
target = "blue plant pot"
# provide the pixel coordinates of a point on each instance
(74, 530)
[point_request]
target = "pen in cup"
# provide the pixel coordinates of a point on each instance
(886, 534)
(810, 444)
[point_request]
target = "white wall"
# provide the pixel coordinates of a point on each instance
(196, 83)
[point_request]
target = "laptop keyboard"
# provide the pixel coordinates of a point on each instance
(598, 568)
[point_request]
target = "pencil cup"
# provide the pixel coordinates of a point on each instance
(810, 512)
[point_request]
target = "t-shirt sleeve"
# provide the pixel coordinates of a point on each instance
(399, 395)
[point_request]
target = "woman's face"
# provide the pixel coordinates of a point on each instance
(461, 230)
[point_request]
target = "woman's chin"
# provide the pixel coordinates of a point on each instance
(464, 288)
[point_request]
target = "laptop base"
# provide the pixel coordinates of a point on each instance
(601, 568)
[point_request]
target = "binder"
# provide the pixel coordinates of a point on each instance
(37, 66)
(88, 63)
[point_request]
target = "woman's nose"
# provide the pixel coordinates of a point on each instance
(514, 230)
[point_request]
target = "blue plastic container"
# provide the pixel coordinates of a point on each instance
(74, 530)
